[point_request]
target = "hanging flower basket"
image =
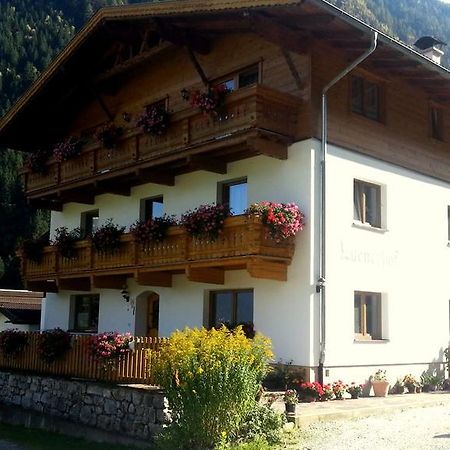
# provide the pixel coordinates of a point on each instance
(36, 162)
(108, 348)
(155, 121)
(65, 241)
(107, 238)
(282, 220)
(152, 230)
(68, 149)
(210, 102)
(53, 344)
(13, 343)
(108, 135)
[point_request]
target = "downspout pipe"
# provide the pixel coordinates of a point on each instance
(320, 286)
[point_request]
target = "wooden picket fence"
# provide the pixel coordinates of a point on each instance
(136, 366)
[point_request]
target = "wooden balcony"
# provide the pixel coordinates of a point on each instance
(242, 245)
(259, 120)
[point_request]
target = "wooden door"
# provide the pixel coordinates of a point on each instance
(153, 315)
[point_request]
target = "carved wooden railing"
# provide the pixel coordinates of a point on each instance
(256, 107)
(241, 237)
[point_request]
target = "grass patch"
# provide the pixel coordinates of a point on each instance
(35, 439)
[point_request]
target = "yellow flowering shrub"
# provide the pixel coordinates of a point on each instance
(211, 378)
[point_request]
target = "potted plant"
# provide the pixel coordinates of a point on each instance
(107, 238)
(328, 393)
(65, 240)
(431, 381)
(339, 390)
(36, 162)
(155, 120)
(380, 383)
(206, 221)
(309, 392)
(290, 400)
(355, 390)
(411, 383)
(68, 149)
(108, 134)
(398, 388)
(13, 342)
(107, 348)
(33, 249)
(281, 220)
(211, 102)
(53, 344)
(152, 230)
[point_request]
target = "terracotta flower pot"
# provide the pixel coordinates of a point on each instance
(380, 388)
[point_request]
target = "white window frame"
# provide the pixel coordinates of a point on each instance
(383, 331)
(381, 224)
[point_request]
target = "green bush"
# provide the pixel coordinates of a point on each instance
(256, 444)
(262, 421)
(211, 379)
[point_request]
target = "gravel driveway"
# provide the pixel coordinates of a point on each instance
(414, 429)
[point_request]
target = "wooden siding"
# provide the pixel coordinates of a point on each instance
(402, 137)
(134, 367)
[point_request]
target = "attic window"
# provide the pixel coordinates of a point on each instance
(366, 98)
(242, 78)
(437, 123)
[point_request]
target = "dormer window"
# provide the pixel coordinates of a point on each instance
(366, 98)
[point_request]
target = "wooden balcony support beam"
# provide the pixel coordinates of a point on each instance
(210, 275)
(109, 281)
(43, 203)
(109, 187)
(162, 278)
(268, 147)
(156, 176)
(269, 270)
(74, 284)
(42, 285)
(208, 164)
(86, 198)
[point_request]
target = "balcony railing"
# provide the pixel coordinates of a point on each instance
(243, 244)
(254, 112)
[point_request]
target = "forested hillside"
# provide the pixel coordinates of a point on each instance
(32, 32)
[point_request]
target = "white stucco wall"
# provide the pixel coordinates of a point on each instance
(409, 263)
(282, 310)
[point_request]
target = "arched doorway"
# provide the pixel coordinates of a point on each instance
(153, 314)
(147, 314)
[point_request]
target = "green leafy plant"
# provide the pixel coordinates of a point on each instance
(107, 238)
(33, 249)
(13, 342)
(53, 344)
(65, 240)
(211, 379)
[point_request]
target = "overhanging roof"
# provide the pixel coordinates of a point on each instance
(67, 81)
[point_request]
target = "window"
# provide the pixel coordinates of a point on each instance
(367, 311)
(437, 123)
(85, 313)
(89, 223)
(231, 308)
(234, 194)
(152, 207)
(243, 78)
(366, 98)
(367, 203)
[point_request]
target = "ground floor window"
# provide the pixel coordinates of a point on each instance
(85, 313)
(368, 318)
(231, 308)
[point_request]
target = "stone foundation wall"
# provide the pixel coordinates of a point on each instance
(137, 412)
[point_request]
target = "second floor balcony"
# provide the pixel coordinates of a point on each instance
(258, 121)
(243, 245)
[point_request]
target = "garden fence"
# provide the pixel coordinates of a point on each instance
(136, 366)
